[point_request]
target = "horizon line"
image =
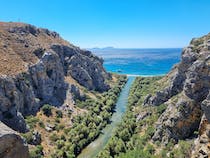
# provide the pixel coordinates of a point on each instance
(135, 48)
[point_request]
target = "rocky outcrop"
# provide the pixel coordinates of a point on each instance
(11, 144)
(36, 138)
(83, 66)
(202, 143)
(33, 65)
(186, 95)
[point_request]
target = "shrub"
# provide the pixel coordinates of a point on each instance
(161, 108)
(57, 120)
(53, 137)
(59, 127)
(41, 124)
(36, 152)
(150, 149)
(28, 136)
(60, 144)
(183, 150)
(47, 110)
(31, 121)
(59, 114)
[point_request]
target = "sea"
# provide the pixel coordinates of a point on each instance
(139, 62)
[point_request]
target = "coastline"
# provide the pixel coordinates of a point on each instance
(136, 75)
(131, 75)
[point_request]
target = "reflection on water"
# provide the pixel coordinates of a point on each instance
(96, 146)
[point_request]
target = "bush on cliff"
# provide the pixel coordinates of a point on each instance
(47, 110)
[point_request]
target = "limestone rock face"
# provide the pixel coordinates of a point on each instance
(84, 67)
(187, 94)
(202, 143)
(33, 65)
(11, 144)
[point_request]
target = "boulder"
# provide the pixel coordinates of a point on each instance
(11, 144)
(36, 138)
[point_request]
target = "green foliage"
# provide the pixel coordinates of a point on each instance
(36, 152)
(87, 127)
(183, 150)
(31, 121)
(28, 136)
(54, 137)
(59, 127)
(136, 154)
(126, 141)
(149, 132)
(150, 149)
(59, 114)
(141, 87)
(197, 42)
(161, 108)
(47, 110)
(41, 124)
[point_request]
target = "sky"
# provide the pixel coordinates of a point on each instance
(116, 23)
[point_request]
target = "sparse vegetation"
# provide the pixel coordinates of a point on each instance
(31, 121)
(68, 141)
(59, 114)
(36, 152)
(47, 110)
(87, 127)
(28, 136)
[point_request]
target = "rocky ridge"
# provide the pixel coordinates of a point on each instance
(187, 96)
(34, 63)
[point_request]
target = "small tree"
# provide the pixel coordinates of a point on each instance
(47, 110)
(36, 152)
(59, 114)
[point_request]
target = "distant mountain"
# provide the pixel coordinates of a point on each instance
(104, 48)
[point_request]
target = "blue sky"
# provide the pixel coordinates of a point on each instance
(117, 23)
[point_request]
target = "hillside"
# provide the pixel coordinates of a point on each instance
(187, 98)
(168, 116)
(56, 98)
(38, 67)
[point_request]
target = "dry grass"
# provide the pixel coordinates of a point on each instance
(16, 49)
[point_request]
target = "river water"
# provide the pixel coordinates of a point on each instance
(96, 146)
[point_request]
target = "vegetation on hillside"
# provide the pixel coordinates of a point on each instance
(68, 141)
(132, 138)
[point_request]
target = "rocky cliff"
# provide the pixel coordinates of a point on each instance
(11, 144)
(34, 63)
(187, 95)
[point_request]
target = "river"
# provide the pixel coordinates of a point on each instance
(97, 145)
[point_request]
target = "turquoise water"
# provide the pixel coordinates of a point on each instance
(96, 146)
(133, 62)
(139, 61)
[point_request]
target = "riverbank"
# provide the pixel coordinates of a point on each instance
(136, 126)
(96, 146)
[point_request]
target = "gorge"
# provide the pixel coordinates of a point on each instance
(58, 101)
